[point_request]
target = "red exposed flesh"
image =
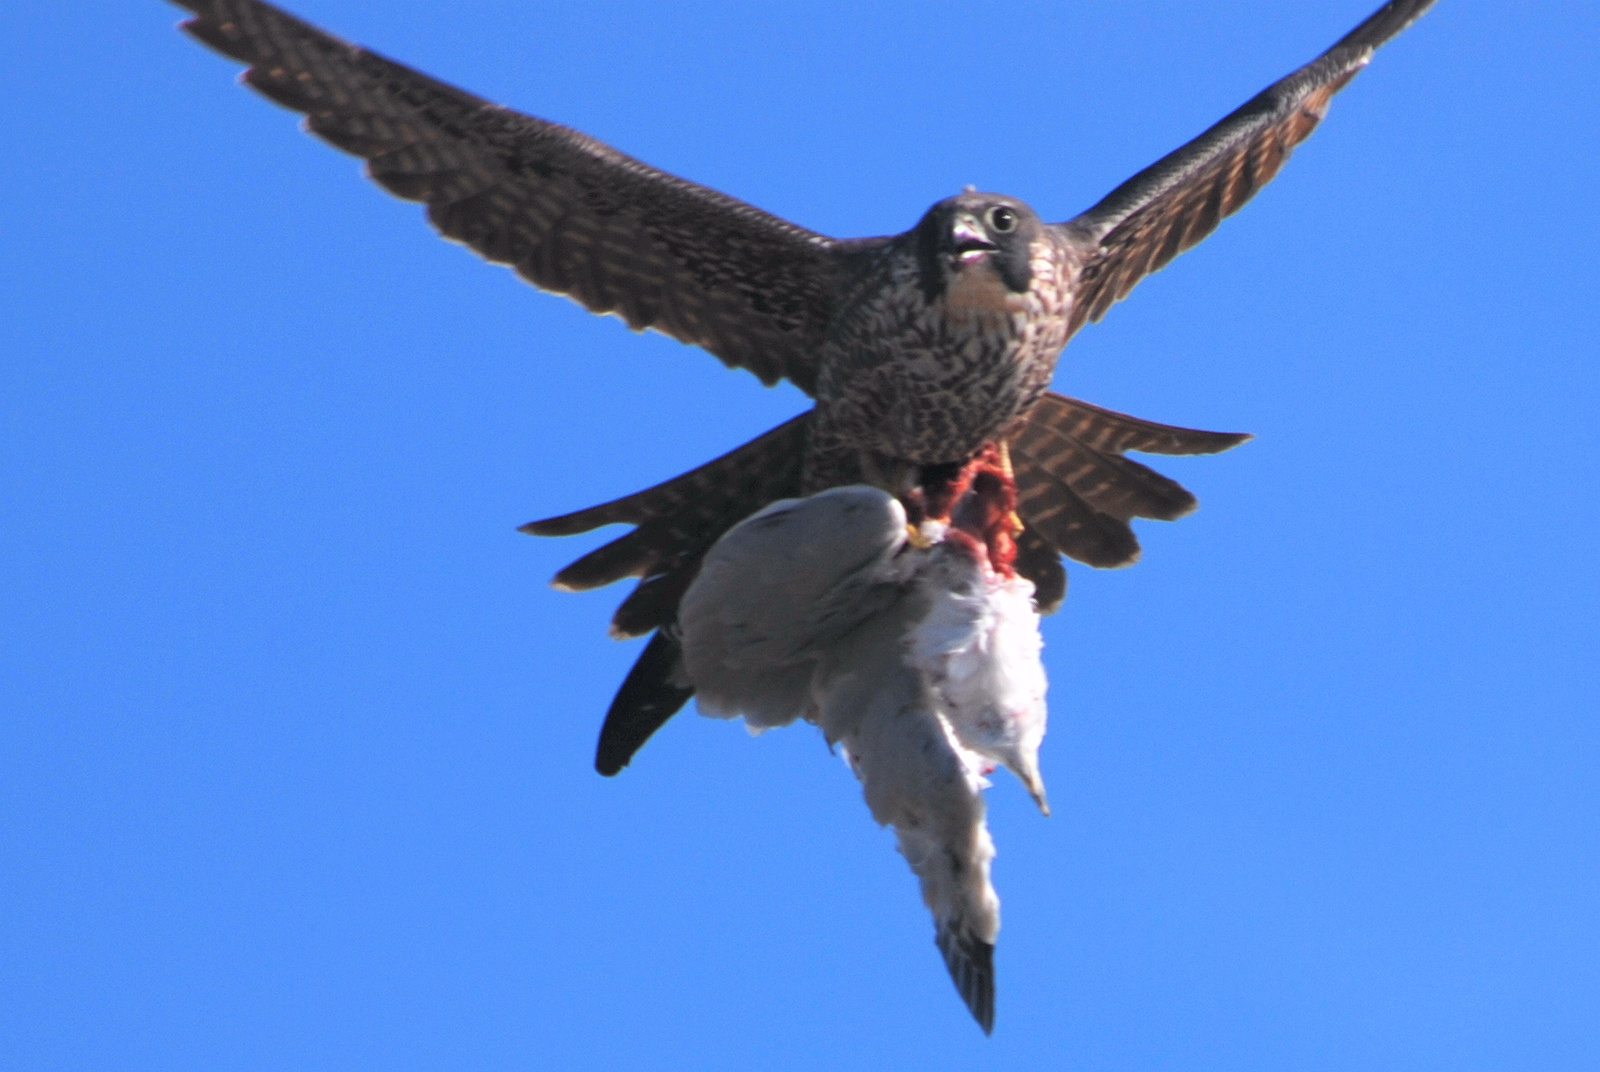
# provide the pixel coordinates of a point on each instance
(979, 500)
(942, 487)
(993, 501)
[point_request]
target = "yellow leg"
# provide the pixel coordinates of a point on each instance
(1011, 475)
(915, 537)
(1005, 460)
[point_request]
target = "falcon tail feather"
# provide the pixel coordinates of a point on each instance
(1077, 494)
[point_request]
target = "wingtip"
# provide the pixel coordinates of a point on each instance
(553, 526)
(970, 961)
(649, 696)
(1384, 24)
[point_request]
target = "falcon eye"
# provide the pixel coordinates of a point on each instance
(1003, 219)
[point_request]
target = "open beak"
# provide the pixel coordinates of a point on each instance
(968, 242)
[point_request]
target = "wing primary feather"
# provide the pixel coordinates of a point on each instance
(755, 290)
(652, 693)
(1171, 205)
(970, 961)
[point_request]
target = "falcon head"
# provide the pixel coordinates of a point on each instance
(976, 233)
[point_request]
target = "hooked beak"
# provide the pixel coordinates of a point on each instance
(968, 242)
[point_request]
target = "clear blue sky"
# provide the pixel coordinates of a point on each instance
(295, 742)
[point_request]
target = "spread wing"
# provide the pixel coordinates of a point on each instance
(778, 591)
(1175, 202)
(569, 213)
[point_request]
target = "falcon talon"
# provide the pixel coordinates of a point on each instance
(916, 539)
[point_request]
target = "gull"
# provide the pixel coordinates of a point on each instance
(915, 649)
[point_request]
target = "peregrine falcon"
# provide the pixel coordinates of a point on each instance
(918, 348)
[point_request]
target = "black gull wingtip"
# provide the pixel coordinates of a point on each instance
(649, 696)
(971, 964)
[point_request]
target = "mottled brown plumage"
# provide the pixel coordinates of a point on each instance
(918, 348)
